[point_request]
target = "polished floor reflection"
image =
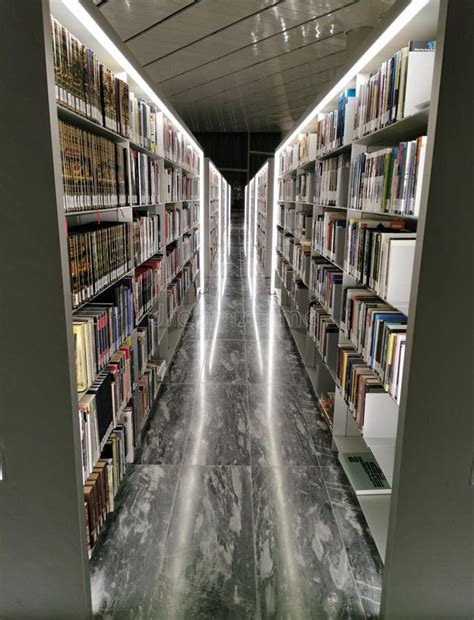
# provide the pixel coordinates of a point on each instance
(237, 506)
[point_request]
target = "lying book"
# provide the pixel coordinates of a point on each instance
(364, 473)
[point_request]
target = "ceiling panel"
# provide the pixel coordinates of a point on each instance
(240, 65)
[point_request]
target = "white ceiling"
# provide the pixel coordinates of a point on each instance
(240, 65)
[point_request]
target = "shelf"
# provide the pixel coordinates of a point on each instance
(142, 149)
(345, 148)
(399, 307)
(96, 211)
(376, 509)
(86, 123)
(407, 128)
(313, 250)
(397, 216)
(330, 207)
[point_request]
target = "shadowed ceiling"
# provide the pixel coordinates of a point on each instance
(240, 65)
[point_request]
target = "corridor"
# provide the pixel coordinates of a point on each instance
(237, 506)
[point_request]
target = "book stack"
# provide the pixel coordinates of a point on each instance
(86, 86)
(147, 285)
(289, 159)
(356, 380)
(397, 89)
(303, 224)
(300, 296)
(191, 159)
(99, 330)
(143, 123)
(102, 484)
(94, 170)
(380, 255)
(173, 185)
(389, 180)
(302, 260)
(99, 254)
(326, 284)
(329, 232)
(287, 275)
(146, 237)
(332, 181)
(288, 247)
(144, 179)
(145, 394)
(324, 333)
(335, 129)
(187, 247)
(304, 187)
(378, 333)
(173, 261)
(173, 143)
(190, 188)
(287, 189)
(306, 147)
(172, 224)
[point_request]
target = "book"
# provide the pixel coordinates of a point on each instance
(364, 473)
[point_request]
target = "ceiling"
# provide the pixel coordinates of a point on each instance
(240, 65)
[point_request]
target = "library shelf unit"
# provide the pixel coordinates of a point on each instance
(354, 197)
(259, 223)
(115, 261)
(216, 201)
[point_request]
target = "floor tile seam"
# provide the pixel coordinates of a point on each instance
(368, 585)
(254, 538)
(349, 563)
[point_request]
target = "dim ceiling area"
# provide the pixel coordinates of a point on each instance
(240, 65)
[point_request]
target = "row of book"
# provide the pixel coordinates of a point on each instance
(380, 254)
(299, 153)
(173, 226)
(99, 254)
(329, 230)
(100, 329)
(94, 170)
(147, 285)
(189, 215)
(378, 333)
(89, 88)
(395, 89)
(356, 380)
(300, 296)
(174, 260)
(326, 284)
(389, 180)
(332, 181)
(85, 85)
(180, 186)
(181, 285)
(303, 222)
(146, 237)
(144, 179)
(324, 332)
(336, 128)
(188, 246)
(102, 406)
(302, 260)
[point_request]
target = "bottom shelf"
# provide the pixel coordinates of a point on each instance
(376, 509)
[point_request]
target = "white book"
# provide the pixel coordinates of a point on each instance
(418, 81)
(399, 272)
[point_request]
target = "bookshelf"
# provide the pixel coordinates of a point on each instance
(260, 227)
(216, 199)
(116, 223)
(351, 212)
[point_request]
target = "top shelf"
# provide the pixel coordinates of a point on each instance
(405, 129)
(345, 148)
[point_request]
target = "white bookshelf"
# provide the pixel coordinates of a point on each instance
(259, 214)
(63, 554)
(216, 213)
(382, 434)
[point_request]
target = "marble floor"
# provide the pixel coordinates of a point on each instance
(237, 506)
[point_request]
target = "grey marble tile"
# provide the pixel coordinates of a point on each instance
(218, 430)
(229, 326)
(334, 475)
(277, 432)
(165, 438)
(370, 597)
(363, 555)
(187, 364)
(127, 560)
(302, 567)
(225, 362)
(266, 362)
(342, 495)
(320, 434)
(209, 566)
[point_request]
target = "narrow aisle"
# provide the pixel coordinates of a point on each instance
(237, 506)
